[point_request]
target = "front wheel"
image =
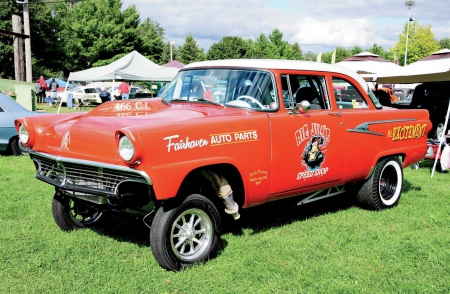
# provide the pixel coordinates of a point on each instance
(17, 148)
(384, 187)
(184, 234)
(72, 214)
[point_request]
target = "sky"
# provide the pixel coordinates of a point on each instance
(316, 25)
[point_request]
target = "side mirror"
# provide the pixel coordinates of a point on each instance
(303, 107)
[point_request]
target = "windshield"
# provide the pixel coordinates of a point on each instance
(231, 87)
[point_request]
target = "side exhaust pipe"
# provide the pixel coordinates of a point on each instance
(224, 191)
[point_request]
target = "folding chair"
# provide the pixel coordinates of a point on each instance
(76, 104)
(84, 103)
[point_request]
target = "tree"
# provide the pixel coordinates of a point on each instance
(96, 32)
(421, 43)
(297, 54)
(46, 52)
(356, 50)
(228, 48)
(152, 35)
(165, 57)
(190, 51)
(445, 43)
(309, 56)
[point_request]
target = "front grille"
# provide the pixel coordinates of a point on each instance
(84, 176)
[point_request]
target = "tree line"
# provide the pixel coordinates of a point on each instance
(76, 35)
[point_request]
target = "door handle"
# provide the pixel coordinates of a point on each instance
(334, 113)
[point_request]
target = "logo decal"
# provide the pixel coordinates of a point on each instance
(314, 152)
(407, 132)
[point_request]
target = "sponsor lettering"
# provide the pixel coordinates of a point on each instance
(312, 173)
(304, 133)
(182, 145)
(258, 176)
(407, 132)
(233, 137)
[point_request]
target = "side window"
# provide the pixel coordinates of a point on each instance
(347, 96)
(297, 88)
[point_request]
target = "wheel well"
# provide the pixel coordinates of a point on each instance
(195, 182)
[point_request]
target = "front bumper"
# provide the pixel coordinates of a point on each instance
(83, 176)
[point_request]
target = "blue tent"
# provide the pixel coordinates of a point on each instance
(61, 83)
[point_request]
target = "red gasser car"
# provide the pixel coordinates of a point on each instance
(224, 136)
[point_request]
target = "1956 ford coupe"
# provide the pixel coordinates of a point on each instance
(224, 136)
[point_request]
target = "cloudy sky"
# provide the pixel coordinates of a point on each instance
(316, 25)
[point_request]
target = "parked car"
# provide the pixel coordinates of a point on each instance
(187, 163)
(9, 139)
(434, 97)
(89, 94)
(385, 96)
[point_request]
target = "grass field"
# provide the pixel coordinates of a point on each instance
(329, 246)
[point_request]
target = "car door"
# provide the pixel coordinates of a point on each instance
(307, 148)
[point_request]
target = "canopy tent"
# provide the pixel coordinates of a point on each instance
(174, 63)
(61, 83)
(434, 68)
(370, 65)
(132, 67)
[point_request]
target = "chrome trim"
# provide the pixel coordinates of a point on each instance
(84, 176)
(364, 127)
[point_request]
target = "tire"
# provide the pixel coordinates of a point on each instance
(177, 244)
(70, 214)
(439, 130)
(17, 148)
(383, 189)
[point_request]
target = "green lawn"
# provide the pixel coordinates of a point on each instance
(330, 246)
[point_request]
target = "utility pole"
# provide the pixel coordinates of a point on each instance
(26, 23)
(18, 48)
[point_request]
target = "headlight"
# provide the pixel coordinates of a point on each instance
(23, 135)
(126, 148)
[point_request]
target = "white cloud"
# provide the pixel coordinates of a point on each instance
(319, 25)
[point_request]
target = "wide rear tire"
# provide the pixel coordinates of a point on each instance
(383, 189)
(185, 234)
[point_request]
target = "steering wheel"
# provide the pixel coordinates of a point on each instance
(253, 100)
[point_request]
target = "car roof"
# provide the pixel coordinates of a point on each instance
(279, 64)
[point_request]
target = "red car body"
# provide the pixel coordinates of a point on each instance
(188, 157)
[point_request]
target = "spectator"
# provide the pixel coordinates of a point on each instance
(124, 90)
(44, 87)
(104, 95)
(53, 85)
(38, 91)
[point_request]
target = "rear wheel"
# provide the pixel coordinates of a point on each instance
(384, 187)
(185, 234)
(70, 214)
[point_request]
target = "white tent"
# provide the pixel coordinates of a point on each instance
(370, 65)
(434, 68)
(132, 67)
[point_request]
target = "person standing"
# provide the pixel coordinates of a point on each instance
(104, 95)
(124, 90)
(38, 91)
(44, 87)
(53, 85)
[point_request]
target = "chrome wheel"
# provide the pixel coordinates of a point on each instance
(191, 234)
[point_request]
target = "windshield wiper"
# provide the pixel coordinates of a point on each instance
(209, 101)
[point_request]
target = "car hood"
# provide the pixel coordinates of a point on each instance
(92, 136)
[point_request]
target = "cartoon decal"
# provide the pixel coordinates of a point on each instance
(314, 152)
(175, 144)
(407, 132)
(258, 176)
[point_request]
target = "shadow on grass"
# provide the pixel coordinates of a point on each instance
(282, 212)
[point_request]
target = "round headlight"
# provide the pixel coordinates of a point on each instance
(126, 148)
(23, 135)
